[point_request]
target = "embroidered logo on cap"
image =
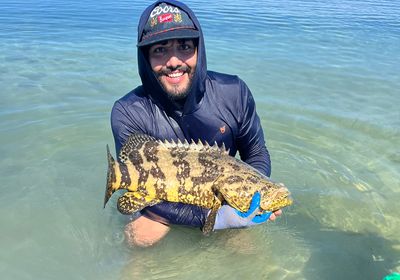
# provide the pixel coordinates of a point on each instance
(178, 18)
(164, 18)
(167, 22)
(163, 10)
(153, 21)
(163, 14)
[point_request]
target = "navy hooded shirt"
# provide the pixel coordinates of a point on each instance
(218, 108)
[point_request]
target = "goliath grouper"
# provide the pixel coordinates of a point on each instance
(153, 171)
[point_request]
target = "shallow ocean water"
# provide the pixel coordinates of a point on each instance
(325, 77)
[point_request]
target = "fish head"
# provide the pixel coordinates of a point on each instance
(239, 191)
(275, 197)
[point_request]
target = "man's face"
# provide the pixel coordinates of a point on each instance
(174, 63)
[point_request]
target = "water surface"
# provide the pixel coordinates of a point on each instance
(324, 75)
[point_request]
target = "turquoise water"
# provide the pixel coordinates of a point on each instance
(325, 76)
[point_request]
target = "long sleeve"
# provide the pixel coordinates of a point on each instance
(134, 113)
(250, 141)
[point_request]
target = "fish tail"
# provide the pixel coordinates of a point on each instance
(111, 178)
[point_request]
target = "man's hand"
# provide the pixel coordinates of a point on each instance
(144, 232)
(228, 217)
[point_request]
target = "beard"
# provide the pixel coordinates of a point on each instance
(176, 92)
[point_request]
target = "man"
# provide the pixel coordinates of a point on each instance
(180, 99)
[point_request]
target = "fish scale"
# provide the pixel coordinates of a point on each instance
(152, 171)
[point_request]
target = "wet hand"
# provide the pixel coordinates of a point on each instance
(275, 215)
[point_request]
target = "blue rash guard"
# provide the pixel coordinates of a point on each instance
(219, 108)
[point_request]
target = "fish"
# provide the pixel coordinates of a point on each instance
(152, 171)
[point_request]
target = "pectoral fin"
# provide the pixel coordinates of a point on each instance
(131, 202)
(210, 221)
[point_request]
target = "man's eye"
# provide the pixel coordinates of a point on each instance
(159, 50)
(185, 47)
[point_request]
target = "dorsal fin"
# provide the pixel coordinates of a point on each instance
(135, 141)
(223, 147)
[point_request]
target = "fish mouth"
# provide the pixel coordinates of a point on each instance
(278, 200)
(279, 204)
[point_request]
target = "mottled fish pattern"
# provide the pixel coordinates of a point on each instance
(193, 173)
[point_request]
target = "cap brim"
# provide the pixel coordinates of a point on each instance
(173, 34)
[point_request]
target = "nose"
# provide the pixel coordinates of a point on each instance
(174, 61)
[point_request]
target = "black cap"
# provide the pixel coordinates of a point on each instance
(167, 22)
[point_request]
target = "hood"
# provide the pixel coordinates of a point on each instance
(151, 84)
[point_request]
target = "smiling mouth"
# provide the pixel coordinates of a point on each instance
(175, 78)
(176, 74)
